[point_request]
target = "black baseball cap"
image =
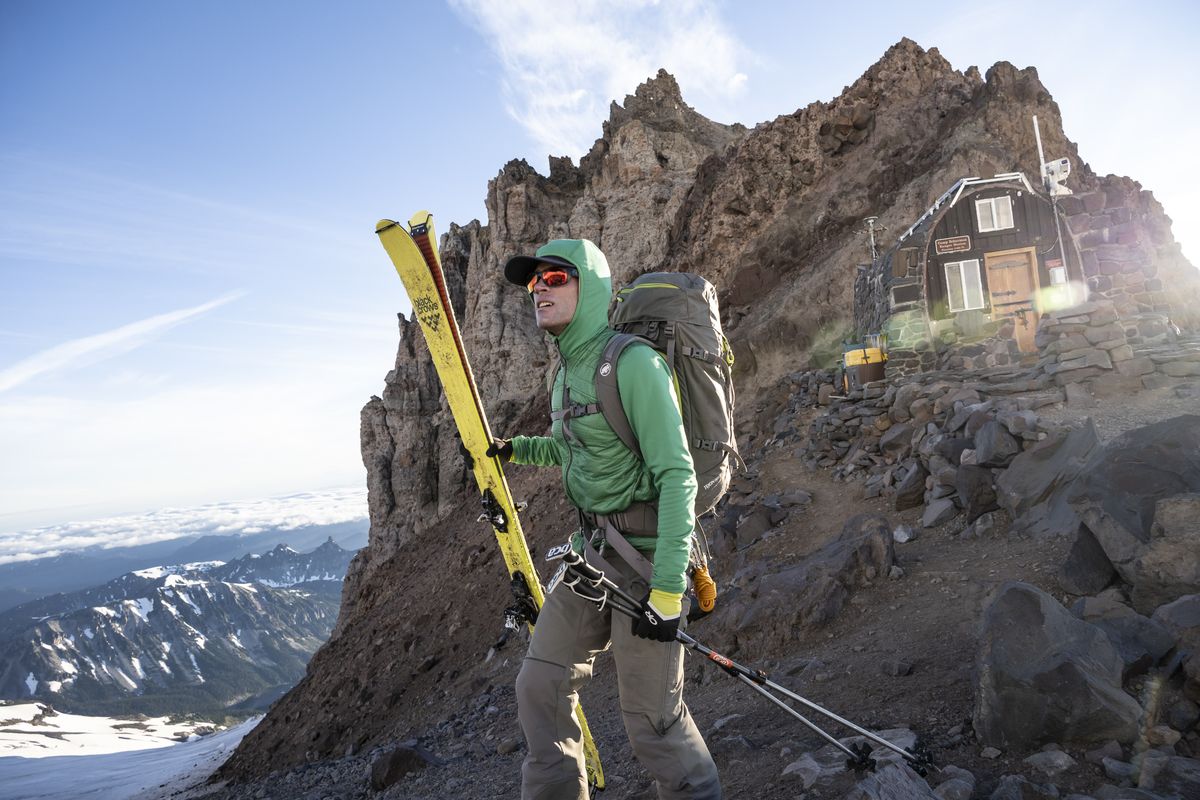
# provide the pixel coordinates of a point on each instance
(519, 268)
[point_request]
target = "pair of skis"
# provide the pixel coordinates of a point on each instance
(414, 253)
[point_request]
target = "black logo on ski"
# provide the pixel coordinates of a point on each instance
(429, 312)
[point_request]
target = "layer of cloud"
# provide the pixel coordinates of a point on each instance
(221, 519)
(563, 65)
(102, 346)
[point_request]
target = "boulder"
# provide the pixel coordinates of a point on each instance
(1182, 619)
(952, 447)
(1087, 569)
(1050, 762)
(1169, 567)
(896, 442)
(390, 766)
(1140, 641)
(893, 782)
(994, 445)
(752, 526)
(1045, 676)
(938, 511)
(1014, 787)
(910, 493)
(1178, 777)
(957, 784)
(1034, 487)
(985, 525)
(812, 592)
(976, 490)
(1018, 422)
(1117, 497)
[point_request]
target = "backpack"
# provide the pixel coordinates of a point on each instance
(676, 313)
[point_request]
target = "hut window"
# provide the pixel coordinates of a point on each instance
(994, 213)
(963, 286)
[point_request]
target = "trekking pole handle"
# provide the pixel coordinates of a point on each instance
(592, 574)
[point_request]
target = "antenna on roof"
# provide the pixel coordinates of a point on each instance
(870, 223)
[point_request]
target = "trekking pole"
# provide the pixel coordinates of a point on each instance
(859, 756)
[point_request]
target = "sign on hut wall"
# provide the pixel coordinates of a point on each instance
(952, 244)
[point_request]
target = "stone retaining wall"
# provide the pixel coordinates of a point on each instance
(1128, 254)
(1090, 342)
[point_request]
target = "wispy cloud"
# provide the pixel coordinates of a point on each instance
(102, 346)
(562, 66)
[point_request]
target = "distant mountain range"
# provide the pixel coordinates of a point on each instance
(202, 637)
(25, 581)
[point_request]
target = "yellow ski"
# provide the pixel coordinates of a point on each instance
(414, 254)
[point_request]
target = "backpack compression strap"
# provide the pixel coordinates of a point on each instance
(571, 410)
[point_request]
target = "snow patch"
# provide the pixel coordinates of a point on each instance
(68, 667)
(123, 679)
(141, 607)
(45, 646)
(137, 667)
(31, 683)
(54, 686)
(233, 637)
(165, 667)
(187, 599)
(105, 611)
(203, 566)
(196, 667)
(88, 632)
(166, 646)
(151, 572)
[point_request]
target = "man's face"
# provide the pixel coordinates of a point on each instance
(554, 307)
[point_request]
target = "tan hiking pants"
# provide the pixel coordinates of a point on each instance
(570, 631)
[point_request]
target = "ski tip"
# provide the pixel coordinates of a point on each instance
(384, 224)
(421, 219)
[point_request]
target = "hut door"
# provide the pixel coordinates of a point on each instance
(1012, 287)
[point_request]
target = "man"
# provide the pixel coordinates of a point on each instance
(569, 283)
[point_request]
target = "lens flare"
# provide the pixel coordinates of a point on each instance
(1060, 296)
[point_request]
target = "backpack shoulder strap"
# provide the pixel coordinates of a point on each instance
(608, 393)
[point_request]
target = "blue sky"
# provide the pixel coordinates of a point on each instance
(194, 306)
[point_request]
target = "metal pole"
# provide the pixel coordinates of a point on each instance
(1037, 134)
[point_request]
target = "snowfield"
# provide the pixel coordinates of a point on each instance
(74, 757)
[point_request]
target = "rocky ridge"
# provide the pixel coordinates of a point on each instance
(770, 215)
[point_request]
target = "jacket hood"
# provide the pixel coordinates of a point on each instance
(595, 291)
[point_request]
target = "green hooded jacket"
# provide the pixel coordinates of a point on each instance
(600, 474)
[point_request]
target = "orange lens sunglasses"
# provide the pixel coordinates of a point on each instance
(552, 278)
